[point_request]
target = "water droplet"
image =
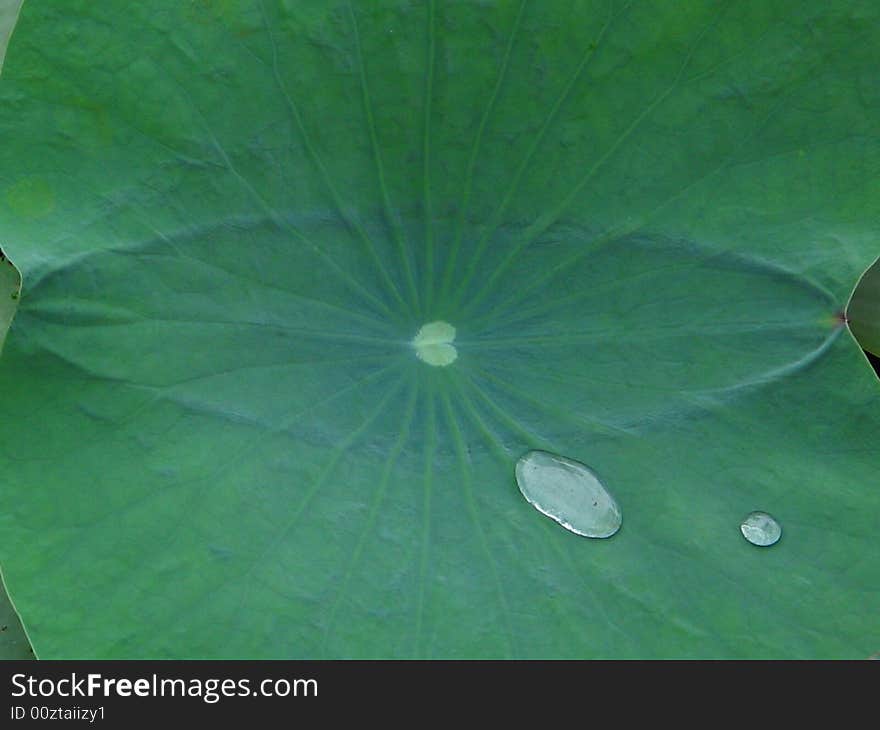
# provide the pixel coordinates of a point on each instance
(761, 529)
(433, 344)
(568, 492)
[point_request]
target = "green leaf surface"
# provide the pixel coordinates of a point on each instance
(863, 311)
(641, 219)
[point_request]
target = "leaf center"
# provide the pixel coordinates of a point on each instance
(433, 344)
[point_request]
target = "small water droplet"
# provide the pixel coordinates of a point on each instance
(568, 492)
(761, 529)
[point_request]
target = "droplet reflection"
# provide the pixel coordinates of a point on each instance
(568, 492)
(761, 529)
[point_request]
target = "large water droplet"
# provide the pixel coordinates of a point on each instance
(761, 529)
(569, 492)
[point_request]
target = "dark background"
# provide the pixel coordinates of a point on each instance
(875, 361)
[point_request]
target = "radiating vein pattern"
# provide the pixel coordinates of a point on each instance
(303, 281)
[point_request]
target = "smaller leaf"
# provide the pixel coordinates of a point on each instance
(863, 312)
(10, 291)
(13, 641)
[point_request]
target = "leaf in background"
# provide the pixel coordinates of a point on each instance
(10, 291)
(642, 221)
(13, 643)
(864, 310)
